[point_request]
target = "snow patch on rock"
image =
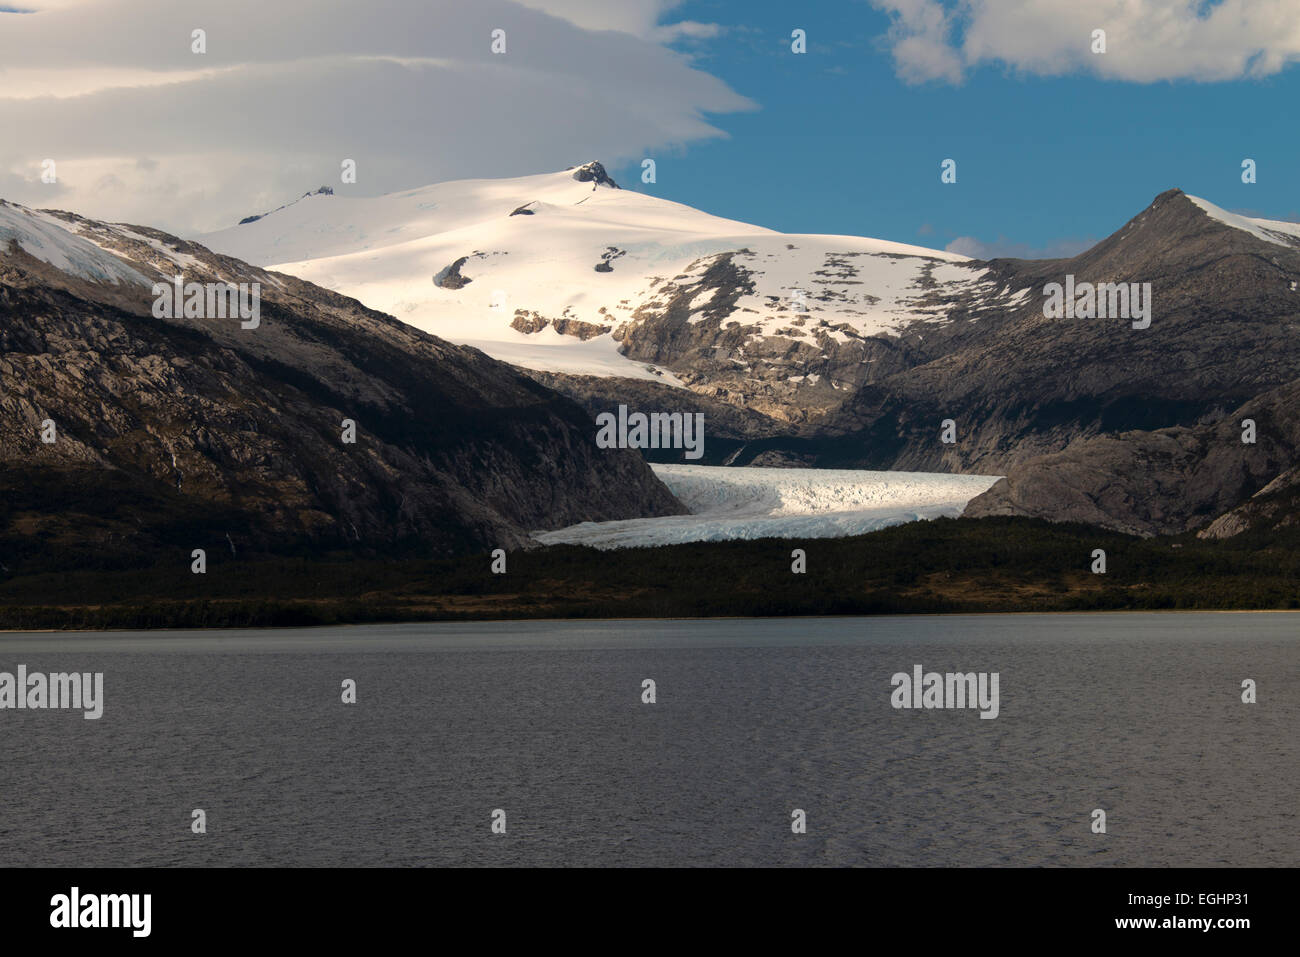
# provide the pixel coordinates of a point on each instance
(49, 240)
(1270, 230)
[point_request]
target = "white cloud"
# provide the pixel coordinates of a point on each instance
(1146, 40)
(688, 30)
(640, 18)
(919, 36)
(145, 130)
(637, 17)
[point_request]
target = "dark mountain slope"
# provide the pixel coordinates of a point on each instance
(187, 432)
(1167, 481)
(1225, 328)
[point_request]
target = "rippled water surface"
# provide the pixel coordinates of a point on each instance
(1138, 714)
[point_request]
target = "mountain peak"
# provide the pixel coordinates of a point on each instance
(593, 172)
(319, 191)
(1174, 230)
(1178, 215)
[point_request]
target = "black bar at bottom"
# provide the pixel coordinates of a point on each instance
(337, 906)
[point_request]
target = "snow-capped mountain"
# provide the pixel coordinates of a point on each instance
(130, 432)
(834, 352)
(567, 273)
(1222, 330)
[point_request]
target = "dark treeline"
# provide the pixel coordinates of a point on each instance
(949, 565)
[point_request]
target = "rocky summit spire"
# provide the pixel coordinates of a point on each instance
(593, 172)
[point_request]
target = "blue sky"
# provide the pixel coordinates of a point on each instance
(841, 144)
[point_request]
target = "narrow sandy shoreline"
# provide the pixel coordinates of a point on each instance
(508, 621)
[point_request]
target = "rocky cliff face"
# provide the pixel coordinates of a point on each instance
(731, 431)
(1019, 385)
(180, 433)
(970, 342)
(1169, 480)
(730, 332)
(1222, 348)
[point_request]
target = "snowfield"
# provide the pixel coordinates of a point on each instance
(1273, 231)
(749, 503)
(52, 241)
(528, 249)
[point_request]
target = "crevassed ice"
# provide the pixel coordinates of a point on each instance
(751, 503)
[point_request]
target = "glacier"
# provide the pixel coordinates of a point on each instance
(751, 503)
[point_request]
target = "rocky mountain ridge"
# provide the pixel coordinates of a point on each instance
(176, 433)
(843, 352)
